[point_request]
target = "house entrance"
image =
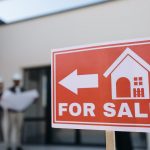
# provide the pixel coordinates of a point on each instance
(123, 87)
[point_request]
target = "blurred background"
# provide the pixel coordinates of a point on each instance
(29, 29)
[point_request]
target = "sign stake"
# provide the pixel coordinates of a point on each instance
(110, 140)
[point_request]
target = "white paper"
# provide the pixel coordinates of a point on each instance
(18, 102)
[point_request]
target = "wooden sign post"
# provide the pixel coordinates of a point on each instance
(110, 140)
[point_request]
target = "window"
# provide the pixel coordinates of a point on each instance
(138, 92)
(138, 81)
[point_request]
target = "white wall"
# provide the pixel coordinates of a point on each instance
(29, 43)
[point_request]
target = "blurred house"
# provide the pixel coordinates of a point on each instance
(25, 46)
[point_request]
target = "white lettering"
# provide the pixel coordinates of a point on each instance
(89, 109)
(75, 106)
(138, 114)
(124, 110)
(62, 108)
(110, 111)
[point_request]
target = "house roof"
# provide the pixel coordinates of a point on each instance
(129, 52)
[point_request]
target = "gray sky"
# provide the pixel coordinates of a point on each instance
(16, 10)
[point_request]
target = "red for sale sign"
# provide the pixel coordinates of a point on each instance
(102, 86)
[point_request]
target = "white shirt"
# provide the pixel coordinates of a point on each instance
(18, 90)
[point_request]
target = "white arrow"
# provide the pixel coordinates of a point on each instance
(74, 81)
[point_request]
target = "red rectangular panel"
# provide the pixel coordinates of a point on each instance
(93, 86)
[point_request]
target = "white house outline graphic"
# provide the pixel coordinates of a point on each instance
(129, 66)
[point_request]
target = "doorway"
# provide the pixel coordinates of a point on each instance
(123, 87)
(36, 117)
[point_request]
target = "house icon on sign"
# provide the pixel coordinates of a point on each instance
(129, 76)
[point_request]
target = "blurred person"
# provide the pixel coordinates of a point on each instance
(13, 120)
(1, 86)
(1, 110)
(123, 141)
